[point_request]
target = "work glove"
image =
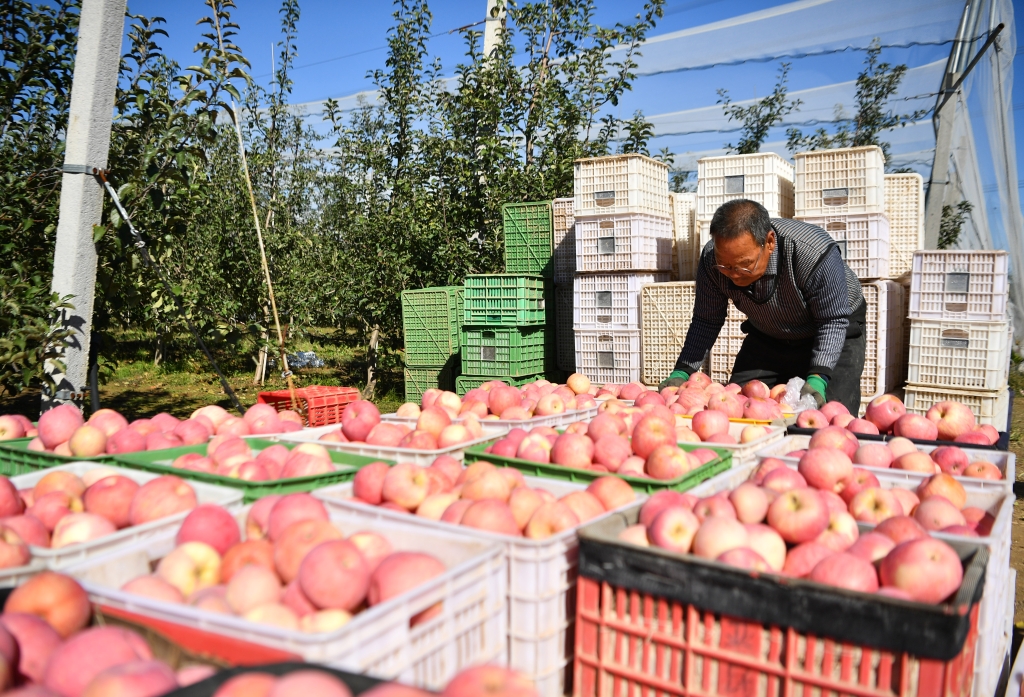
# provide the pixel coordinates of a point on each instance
(815, 386)
(677, 378)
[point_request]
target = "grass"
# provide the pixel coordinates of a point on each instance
(185, 381)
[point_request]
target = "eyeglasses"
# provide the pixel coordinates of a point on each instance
(740, 269)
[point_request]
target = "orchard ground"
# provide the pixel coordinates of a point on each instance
(183, 381)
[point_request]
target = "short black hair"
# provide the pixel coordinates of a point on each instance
(733, 218)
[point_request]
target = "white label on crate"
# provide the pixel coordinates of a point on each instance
(606, 245)
(955, 338)
(734, 184)
(603, 199)
(835, 197)
(957, 282)
(603, 298)
(605, 359)
(487, 353)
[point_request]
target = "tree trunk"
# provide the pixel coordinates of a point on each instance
(371, 364)
(158, 351)
(259, 378)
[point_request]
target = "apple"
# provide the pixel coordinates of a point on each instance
(292, 508)
(36, 641)
(161, 497)
(951, 419)
(190, 567)
(211, 524)
(297, 541)
(764, 467)
(75, 663)
(944, 485)
(11, 428)
(836, 438)
(783, 479)
(334, 575)
(950, 459)
(358, 419)
(573, 450)
(884, 410)
(88, 441)
(10, 502)
(76, 528)
(661, 500)
(873, 455)
(750, 503)
(768, 544)
(249, 552)
(755, 389)
(811, 418)
(907, 498)
(825, 468)
(802, 559)
(871, 546)
(901, 446)
(707, 423)
(937, 513)
(841, 532)
(874, 504)
(57, 425)
(51, 507)
(914, 462)
(901, 528)
(550, 519)
(111, 497)
(799, 515)
(983, 470)
(858, 480)
(916, 427)
(833, 501)
(717, 535)
(612, 492)
(847, 571)
(59, 480)
(674, 529)
(635, 534)
(151, 677)
(928, 569)
(32, 531)
(862, 426)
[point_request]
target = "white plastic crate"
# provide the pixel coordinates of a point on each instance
(725, 481)
(703, 234)
(608, 355)
(995, 631)
(959, 355)
(839, 182)
(620, 184)
(863, 241)
(227, 497)
(763, 177)
(904, 207)
(553, 420)
(989, 407)
(684, 230)
(1005, 461)
(385, 452)
(665, 313)
(379, 641)
(883, 337)
(745, 453)
(961, 285)
(541, 588)
(610, 301)
(563, 229)
(727, 346)
(629, 242)
(1015, 685)
(565, 341)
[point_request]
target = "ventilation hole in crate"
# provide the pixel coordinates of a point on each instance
(956, 307)
(957, 282)
(604, 199)
(734, 184)
(835, 197)
(604, 319)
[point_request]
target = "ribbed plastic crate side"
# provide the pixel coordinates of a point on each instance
(608, 355)
(528, 238)
(763, 177)
(504, 299)
(727, 346)
(504, 351)
(419, 379)
(665, 313)
(610, 301)
(989, 407)
(995, 630)
(870, 377)
(465, 383)
(630, 242)
(863, 240)
(620, 184)
(703, 236)
(839, 182)
(563, 230)
(565, 343)
(959, 285)
(904, 206)
(687, 247)
(959, 355)
(430, 334)
(883, 337)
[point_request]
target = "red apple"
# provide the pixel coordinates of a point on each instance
(951, 419)
(884, 410)
(799, 515)
(928, 569)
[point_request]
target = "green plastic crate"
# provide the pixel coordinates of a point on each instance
(419, 379)
(16, 458)
(505, 300)
(640, 484)
(528, 238)
(465, 383)
(159, 461)
(431, 321)
(505, 352)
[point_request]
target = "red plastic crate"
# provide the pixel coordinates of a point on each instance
(631, 644)
(319, 405)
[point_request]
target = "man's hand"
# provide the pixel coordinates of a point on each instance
(677, 378)
(815, 386)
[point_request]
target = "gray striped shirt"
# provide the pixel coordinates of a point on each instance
(806, 294)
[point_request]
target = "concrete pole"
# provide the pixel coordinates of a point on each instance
(940, 175)
(494, 22)
(101, 28)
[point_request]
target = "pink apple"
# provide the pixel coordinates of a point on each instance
(717, 535)
(858, 480)
(799, 515)
(862, 426)
(937, 513)
(951, 419)
(833, 409)
(847, 571)
(811, 418)
(884, 410)
(914, 462)
(841, 532)
(825, 468)
(767, 543)
(873, 455)
(836, 438)
(983, 470)
(916, 427)
(358, 419)
(803, 558)
(661, 500)
(871, 546)
(764, 467)
(873, 505)
(715, 506)
(950, 459)
(783, 479)
(928, 569)
(749, 502)
(900, 529)
(707, 423)
(57, 425)
(674, 529)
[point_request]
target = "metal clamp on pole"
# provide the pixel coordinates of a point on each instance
(80, 169)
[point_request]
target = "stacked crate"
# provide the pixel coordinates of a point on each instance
(843, 192)
(763, 177)
(904, 208)
(623, 239)
(683, 207)
(431, 320)
(564, 235)
(960, 338)
(665, 310)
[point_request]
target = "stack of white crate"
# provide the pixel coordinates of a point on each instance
(623, 239)
(960, 337)
(563, 229)
(686, 250)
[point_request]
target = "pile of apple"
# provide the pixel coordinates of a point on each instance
(231, 456)
(48, 649)
(494, 681)
(63, 430)
(949, 421)
(754, 400)
(294, 569)
(63, 509)
(901, 454)
(803, 524)
(485, 497)
(435, 428)
(498, 400)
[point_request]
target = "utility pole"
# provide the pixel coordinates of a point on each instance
(101, 27)
(493, 23)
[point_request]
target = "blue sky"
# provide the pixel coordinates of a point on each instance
(341, 40)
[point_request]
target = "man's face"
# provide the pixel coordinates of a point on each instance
(742, 259)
